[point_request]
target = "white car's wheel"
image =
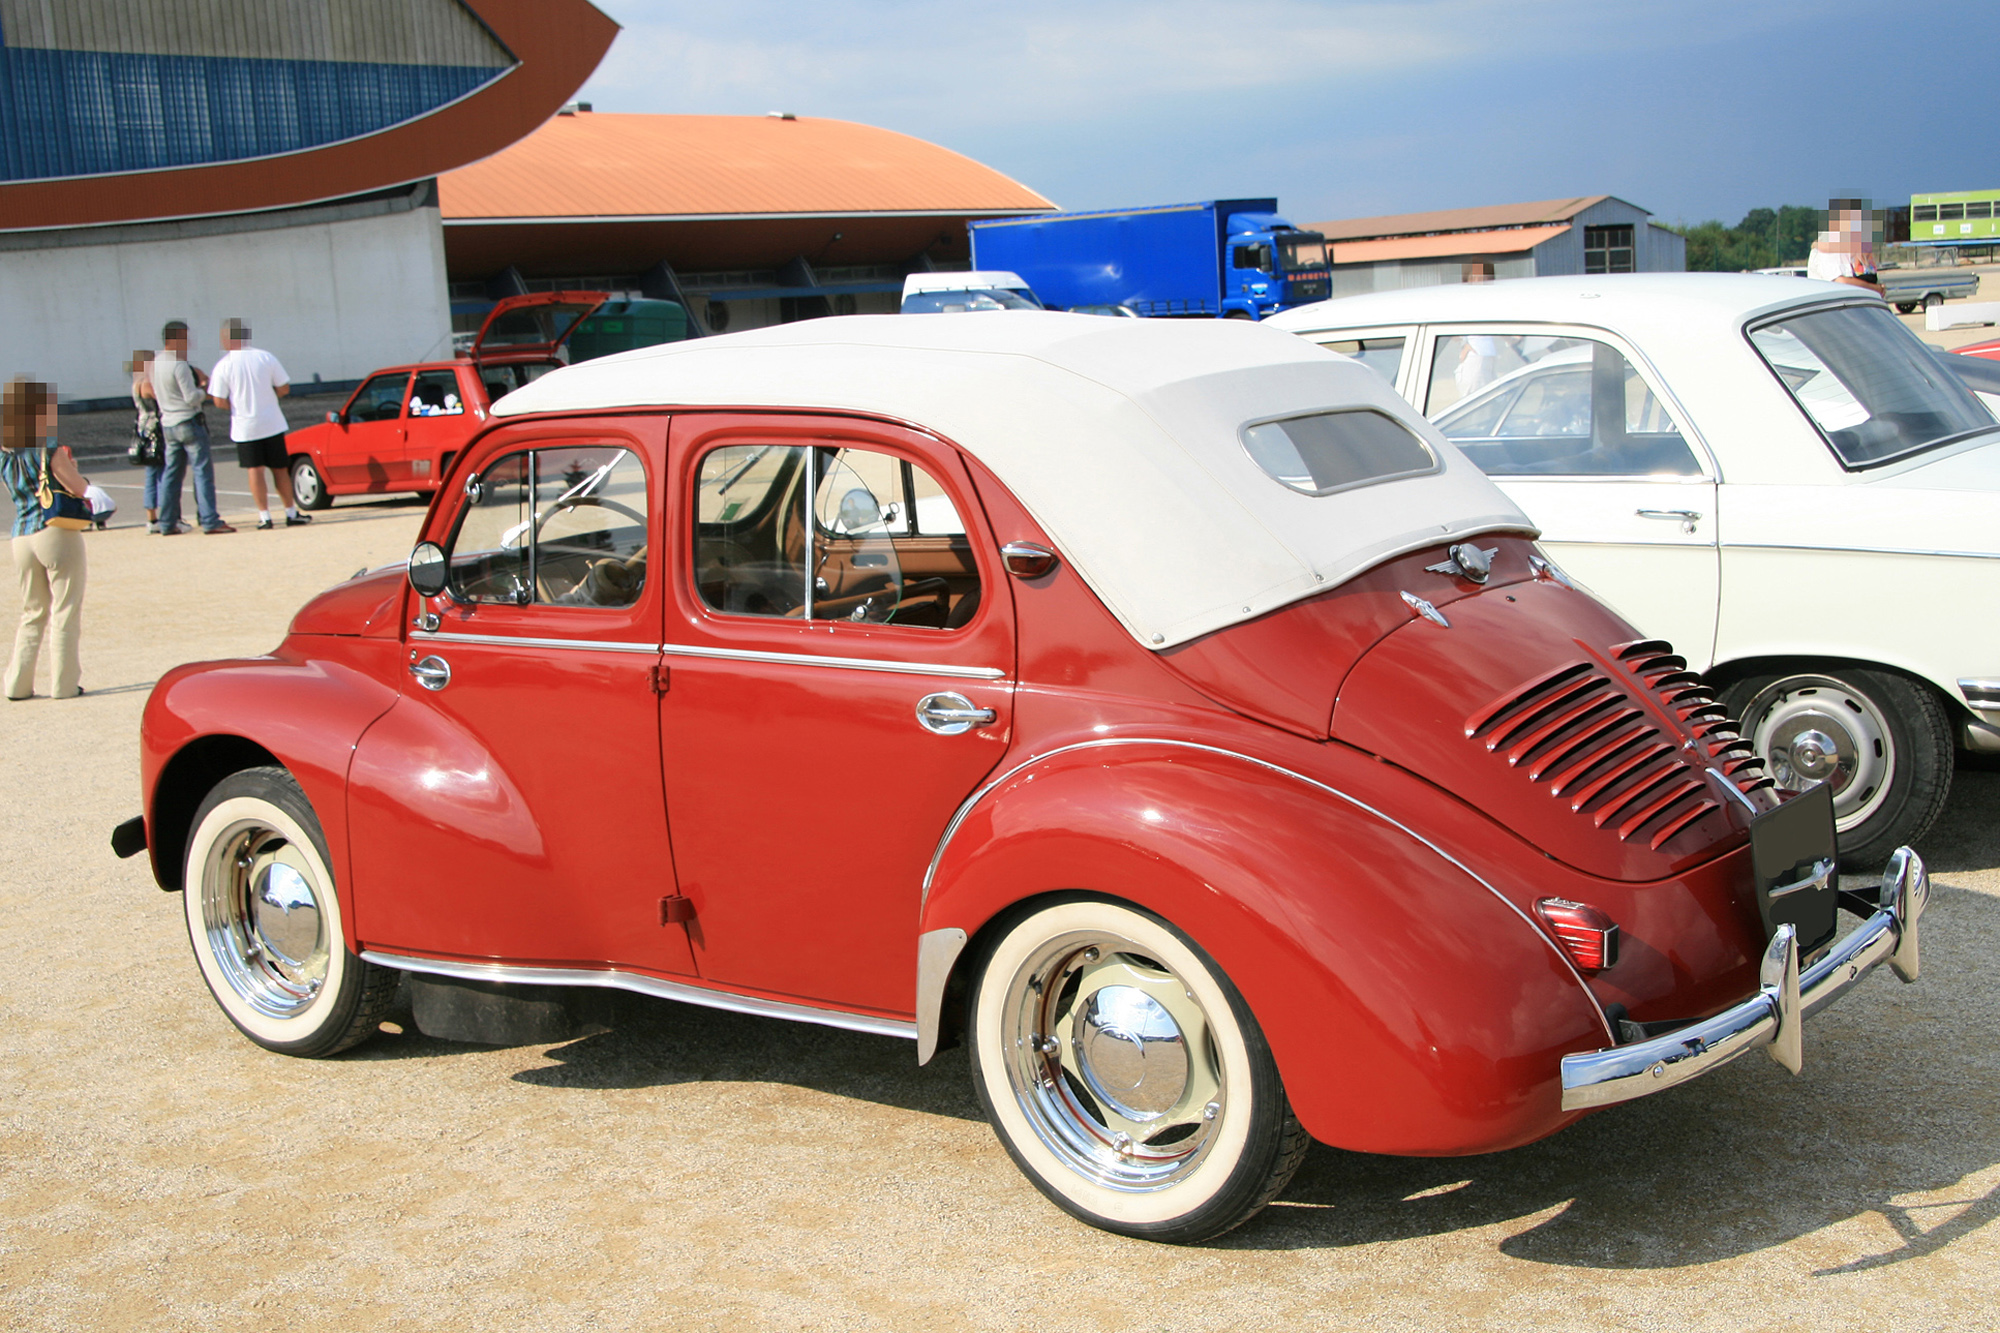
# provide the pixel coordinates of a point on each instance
(1881, 740)
(1125, 1075)
(265, 921)
(308, 487)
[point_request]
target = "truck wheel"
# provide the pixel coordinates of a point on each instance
(1125, 1075)
(265, 921)
(1237, 314)
(1906, 307)
(1882, 740)
(308, 487)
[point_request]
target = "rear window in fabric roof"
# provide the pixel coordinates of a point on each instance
(1326, 452)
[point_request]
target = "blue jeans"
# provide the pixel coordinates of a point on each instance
(153, 485)
(188, 440)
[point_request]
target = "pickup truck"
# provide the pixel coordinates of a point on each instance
(1908, 288)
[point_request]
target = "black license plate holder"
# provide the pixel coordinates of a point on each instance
(1789, 846)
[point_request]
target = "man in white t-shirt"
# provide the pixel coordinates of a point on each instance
(249, 382)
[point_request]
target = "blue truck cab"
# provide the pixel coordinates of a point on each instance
(1233, 258)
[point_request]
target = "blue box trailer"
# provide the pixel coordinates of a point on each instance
(1233, 258)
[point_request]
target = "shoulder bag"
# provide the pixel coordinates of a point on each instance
(60, 509)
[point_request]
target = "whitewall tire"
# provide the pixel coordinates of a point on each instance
(1126, 1076)
(266, 922)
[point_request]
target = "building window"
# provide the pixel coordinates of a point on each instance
(1924, 213)
(1950, 212)
(1982, 208)
(1607, 249)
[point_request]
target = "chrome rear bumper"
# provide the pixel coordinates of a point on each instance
(1774, 1017)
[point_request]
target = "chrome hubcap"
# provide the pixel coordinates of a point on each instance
(1813, 730)
(1113, 1062)
(264, 921)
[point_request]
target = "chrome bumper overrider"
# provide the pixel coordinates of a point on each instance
(1774, 1017)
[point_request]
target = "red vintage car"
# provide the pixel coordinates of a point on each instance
(1164, 710)
(402, 427)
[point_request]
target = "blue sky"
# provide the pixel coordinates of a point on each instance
(1343, 108)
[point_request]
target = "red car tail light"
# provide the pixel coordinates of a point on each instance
(1587, 935)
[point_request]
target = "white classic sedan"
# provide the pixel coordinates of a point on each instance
(1775, 476)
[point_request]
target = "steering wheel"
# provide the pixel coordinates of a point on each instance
(577, 502)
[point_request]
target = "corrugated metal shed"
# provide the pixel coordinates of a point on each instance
(631, 167)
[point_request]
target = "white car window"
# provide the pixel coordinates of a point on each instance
(1537, 405)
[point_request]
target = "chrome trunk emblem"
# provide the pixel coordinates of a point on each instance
(1466, 561)
(1425, 609)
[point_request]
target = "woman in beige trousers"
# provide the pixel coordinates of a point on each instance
(48, 560)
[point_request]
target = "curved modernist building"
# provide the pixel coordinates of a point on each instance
(265, 158)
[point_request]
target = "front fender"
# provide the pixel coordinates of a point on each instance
(206, 720)
(1410, 1008)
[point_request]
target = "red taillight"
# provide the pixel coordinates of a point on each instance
(1588, 936)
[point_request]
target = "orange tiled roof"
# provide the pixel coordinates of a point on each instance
(604, 165)
(1506, 241)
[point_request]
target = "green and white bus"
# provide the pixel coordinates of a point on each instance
(1967, 217)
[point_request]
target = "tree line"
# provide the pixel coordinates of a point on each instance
(1765, 238)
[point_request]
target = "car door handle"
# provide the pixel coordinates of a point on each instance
(1687, 518)
(433, 673)
(951, 714)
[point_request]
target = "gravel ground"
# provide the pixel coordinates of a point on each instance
(698, 1170)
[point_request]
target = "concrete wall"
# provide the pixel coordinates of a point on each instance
(333, 291)
(1394, 275)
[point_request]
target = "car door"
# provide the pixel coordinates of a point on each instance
(510, 805)
(439, 421)
(368, 445)
(841, 658)
(1582, 436)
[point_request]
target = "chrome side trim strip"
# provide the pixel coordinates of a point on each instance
(958, 818)
(522, 641)
(1981, 695)
(1858, 550)
(839, 663)
(616, 979)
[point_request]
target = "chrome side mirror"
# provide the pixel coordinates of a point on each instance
(429, 570)
(333, 418)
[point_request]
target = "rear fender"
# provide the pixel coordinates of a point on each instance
(210, 719)
(1410, 1008)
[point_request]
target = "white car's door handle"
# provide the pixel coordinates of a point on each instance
(1687, 518)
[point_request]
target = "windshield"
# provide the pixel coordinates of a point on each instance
(983, 298)
(1307, 250)
(1874, 391)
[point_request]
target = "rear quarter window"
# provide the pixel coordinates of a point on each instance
(1324, 452)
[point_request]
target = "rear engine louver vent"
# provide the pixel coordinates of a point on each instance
(1593, 732)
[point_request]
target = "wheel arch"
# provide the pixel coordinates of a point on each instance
(188, 776)
(1357, 945)
(1722, 675)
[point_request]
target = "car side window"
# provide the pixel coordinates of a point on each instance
(1382, 355)
(434, 393)
(381, 398)
(1532, 405)
(885, 544)
(561, 526)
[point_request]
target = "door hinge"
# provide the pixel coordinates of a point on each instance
(662, 678)
(676, 909)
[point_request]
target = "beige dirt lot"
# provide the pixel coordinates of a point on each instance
(698, 1170)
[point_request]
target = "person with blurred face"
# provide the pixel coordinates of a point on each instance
(47, 559)
(248, 381)
(181, 389)
(146, 428)
(1845, 251)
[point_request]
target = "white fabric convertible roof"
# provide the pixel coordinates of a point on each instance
(1122, 437)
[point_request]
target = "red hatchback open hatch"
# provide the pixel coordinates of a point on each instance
(401, 428)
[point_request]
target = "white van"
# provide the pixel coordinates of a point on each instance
(987, 289)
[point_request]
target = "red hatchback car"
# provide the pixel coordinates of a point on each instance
(1164, 710)
(400, 429)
